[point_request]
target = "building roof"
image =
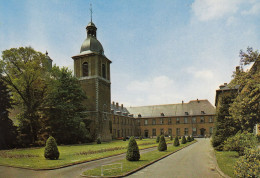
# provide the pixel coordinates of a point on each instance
(91, 44)
(119, 110)
(194, 107)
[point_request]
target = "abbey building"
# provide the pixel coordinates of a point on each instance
(108, 121)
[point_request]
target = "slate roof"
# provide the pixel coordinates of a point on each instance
(119, 110)
(194, 107)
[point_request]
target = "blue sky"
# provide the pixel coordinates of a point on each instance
(162, 51)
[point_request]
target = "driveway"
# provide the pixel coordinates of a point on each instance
(196, 160)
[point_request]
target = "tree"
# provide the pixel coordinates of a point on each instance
(162, 144)
(246, 107)
(63, 108)
(189, 139)
(225, 125)
(25, 73)
(176, 141)
(8, 131)
(183, 140)
(133, 153)
(51, 150)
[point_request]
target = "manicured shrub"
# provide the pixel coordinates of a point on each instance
(140, 138)
(176, 141)
(133, 153)
(179, 137)
(249, 164)
(183, 140)
(192, 138)
(124, 139)
(239, 142)
(162, 144)
(51, 150)
(188, 139)
(158, 139)
(171, 138)
(98, 140)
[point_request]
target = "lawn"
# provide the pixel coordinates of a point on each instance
(226, 161)
(71, 154)
(128, 166)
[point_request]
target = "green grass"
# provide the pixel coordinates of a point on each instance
(226, 161)
(128, 166)
(33, 157)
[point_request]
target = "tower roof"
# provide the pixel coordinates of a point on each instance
(91, 44)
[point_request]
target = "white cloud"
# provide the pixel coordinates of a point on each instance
(206, 10)
(255, 9)
(201, 74)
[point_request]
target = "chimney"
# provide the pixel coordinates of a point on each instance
(237, 69)
(182, 101)
(117, 105)
(113, 103)
(122, 106)
(225, 84)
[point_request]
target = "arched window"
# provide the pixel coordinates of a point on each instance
(85, 69)
(103, 70)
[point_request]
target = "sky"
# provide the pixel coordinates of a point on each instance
(162, 51)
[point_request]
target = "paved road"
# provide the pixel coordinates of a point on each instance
(194, 161)
(68, 172)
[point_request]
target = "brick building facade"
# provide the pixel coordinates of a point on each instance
(109, 121)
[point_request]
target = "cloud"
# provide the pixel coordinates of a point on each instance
(206, 10)
(201, 74)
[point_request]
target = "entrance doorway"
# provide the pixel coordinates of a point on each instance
(146, 133)
(202, 131)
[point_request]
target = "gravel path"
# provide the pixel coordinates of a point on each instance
(197, 160)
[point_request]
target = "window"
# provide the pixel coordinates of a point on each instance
(178, 131)
(186, 131)
(138, 122)
(161, 121)
(185, 120)
(154, 132)
(211, 130)
(114, 120)
(154, 121)
(194, 131)
(177, 120)
(169, 131)
(186, 113)
(114, 132)
(103, 70)
(194, 120)
(210, 119)
(162, 132)
(85, 69)
(202, 120)
(170, 121)
(145, 122)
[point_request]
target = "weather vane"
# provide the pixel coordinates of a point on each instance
(91, 11)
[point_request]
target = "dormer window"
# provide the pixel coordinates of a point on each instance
(139, 115)
(186, 113)
(162, 114)
(202, 112)
(85, 69)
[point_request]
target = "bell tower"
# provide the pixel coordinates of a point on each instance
(92, 68)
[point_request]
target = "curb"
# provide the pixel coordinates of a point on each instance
(67, 165)
(222, 174)
(142, 167)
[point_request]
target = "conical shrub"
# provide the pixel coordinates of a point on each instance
(98, 140)
(183, 140)
(176, 141)
(171, 138)
(188, 139)
(133, 153)
(162, 144)
(158, 139)
(51, 150)
(192, 138)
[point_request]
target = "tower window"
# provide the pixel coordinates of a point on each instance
(85, 69)
(103, 70)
